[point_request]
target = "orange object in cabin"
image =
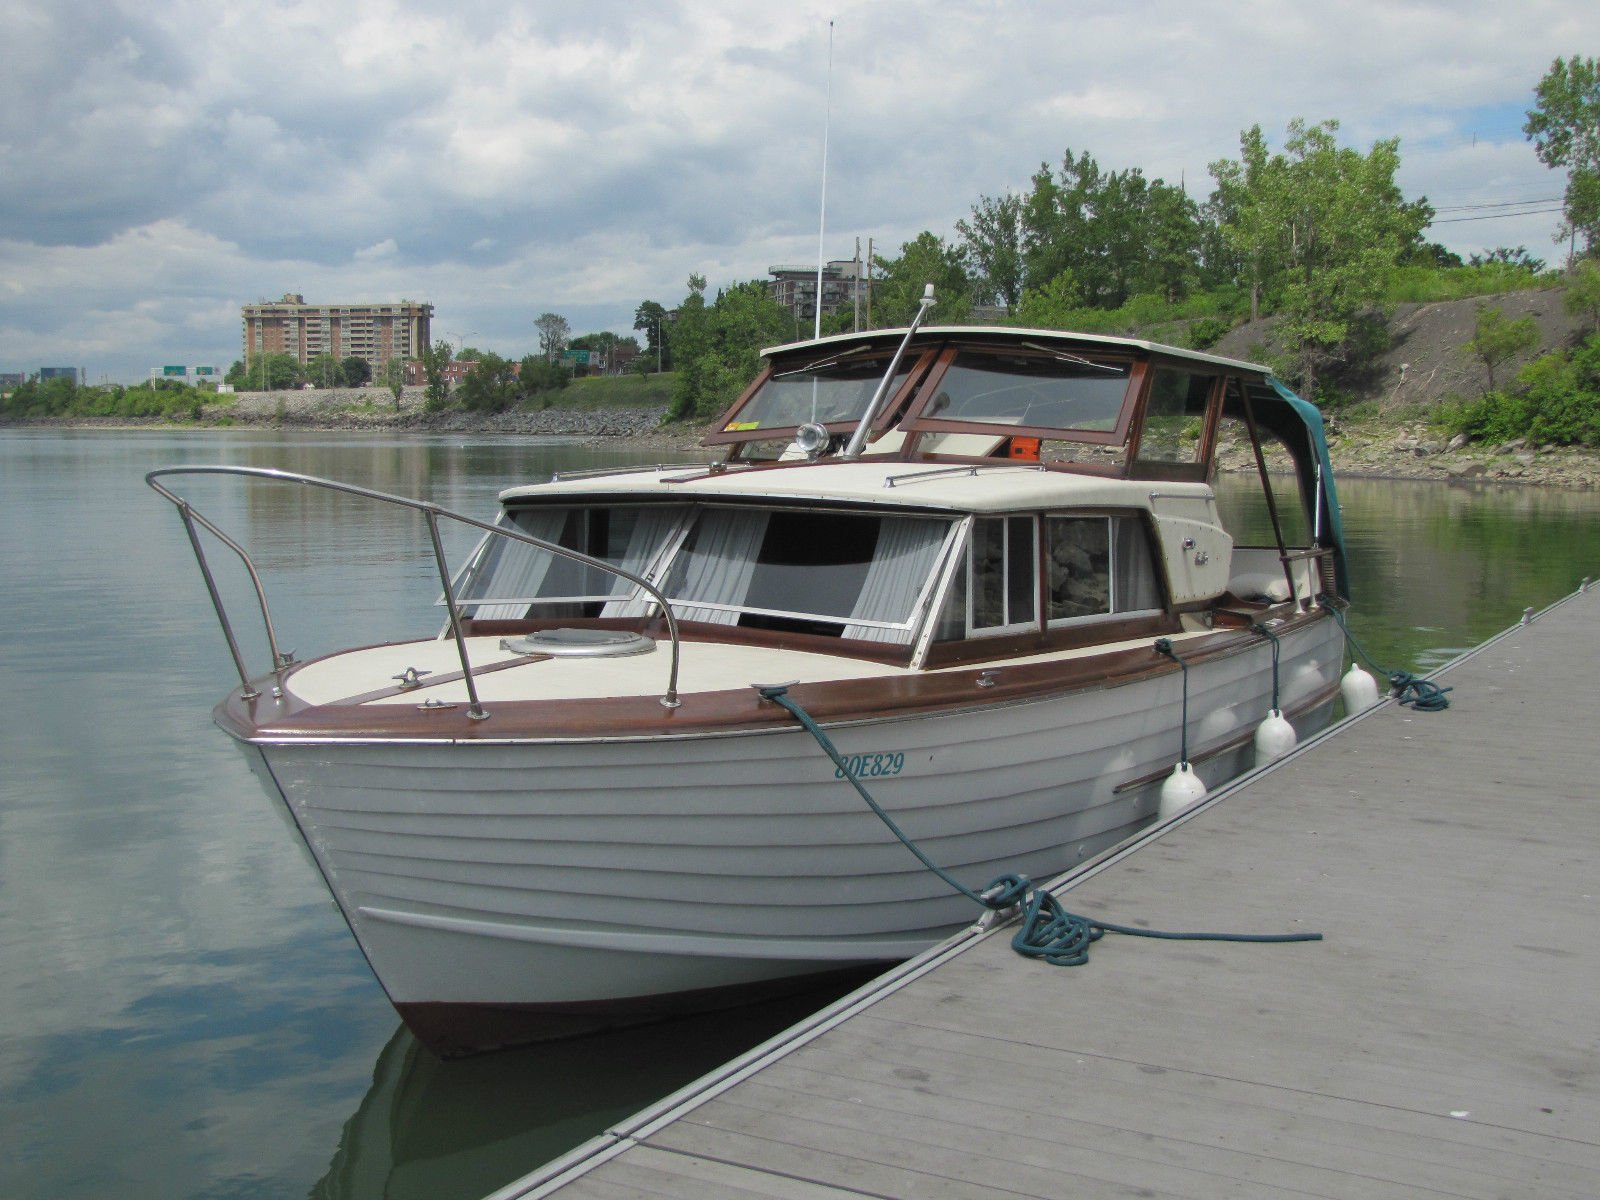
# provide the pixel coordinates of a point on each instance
(1024, 447)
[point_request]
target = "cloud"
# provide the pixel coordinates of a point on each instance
(502, 159)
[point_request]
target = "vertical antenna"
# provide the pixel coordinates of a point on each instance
(822, 221)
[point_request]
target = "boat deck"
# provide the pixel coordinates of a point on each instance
(1444, 1040)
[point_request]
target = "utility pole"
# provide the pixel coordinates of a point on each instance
(855, 290)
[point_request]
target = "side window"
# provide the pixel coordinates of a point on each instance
(1077, 556)
(1175, 417)
(1001, 586)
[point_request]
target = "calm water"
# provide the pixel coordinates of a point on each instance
(182, 1011)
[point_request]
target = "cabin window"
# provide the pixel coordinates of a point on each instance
(1092, 566)
(510, 580)
(833, 574)
(1001, 586)
(1096, 566)
(1032, 391)
(1174, 417)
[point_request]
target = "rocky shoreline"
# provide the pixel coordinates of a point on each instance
(1365, 451)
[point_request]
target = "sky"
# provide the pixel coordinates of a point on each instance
(166, 161)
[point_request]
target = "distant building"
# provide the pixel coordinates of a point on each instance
(795, 287)
(9, 380)
(376, 332)
(76, 374)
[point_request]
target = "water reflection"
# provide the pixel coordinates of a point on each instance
(456, 1130)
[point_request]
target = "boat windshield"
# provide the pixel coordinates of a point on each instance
(1055, 392)
(830, 391)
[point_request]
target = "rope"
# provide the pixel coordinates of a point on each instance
(1048, 931)
(1276, 649)
(1421, 694)
(1164, 646)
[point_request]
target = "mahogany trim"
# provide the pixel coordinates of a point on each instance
(733, 710)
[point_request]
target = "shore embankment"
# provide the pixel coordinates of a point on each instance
(1365, 450)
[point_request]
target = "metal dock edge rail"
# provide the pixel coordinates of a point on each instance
(1424, 1049)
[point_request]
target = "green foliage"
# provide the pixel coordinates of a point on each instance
(619, 391)
(1557, 399)
(325, 371)
(652, 318)
(1206, 332)
(1497, 340)
(538, 375)
(64, 398)
(1583, 292)
(490, 385)
(1564, 128)
(1118, 233)
(717, 346)
(993, 242)
(357, 371)
(393, 377)
(1425, 285)
(926, 259)
(434, 360)
(1322, 227)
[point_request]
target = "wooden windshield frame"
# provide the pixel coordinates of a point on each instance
(915, 422)
(721, 435)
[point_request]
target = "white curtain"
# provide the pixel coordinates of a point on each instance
(908, 548)
(514, 569)
(717, 566)
(651, 530)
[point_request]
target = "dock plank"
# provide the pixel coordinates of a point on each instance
(1444, 1040)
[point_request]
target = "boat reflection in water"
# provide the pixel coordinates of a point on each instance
(435, 1129)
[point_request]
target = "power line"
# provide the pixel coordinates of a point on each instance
(1532, 212)
(1497, 204)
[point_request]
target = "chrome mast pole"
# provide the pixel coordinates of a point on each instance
(858, 439)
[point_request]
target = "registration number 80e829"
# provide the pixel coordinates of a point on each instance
(871, 766)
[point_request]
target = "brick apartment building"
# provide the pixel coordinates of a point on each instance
(376, 332)
(795, 287)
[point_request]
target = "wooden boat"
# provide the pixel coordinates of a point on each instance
(988, 562)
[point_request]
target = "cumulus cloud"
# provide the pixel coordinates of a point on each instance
(501, 159)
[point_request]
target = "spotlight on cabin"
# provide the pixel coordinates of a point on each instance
(811, 438)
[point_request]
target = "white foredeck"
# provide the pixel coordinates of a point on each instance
(1444, 1040)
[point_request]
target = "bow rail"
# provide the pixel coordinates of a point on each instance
(193, 521)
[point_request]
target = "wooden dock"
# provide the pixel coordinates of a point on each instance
(1444, 1040)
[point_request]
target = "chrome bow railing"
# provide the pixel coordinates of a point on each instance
(193, 521)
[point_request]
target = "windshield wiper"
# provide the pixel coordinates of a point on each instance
(1073, 358)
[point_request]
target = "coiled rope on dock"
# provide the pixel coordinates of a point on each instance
(1048, 931)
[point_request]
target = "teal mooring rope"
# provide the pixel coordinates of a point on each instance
(1049, 932)
(1421, 694)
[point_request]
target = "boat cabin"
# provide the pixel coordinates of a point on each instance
(947, 496)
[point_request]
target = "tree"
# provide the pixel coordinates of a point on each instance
(1325, 225)
(490, 385)
(1051, 306)
(553, 333)
(1583, 292)
(1504, 256)
(394, 378)
(274, 372)
(992, 242)
(325, 371)
(717, 346)
(1498, 340)
(924, 260)
(649, 317)
(434, 360)
(357, 371)
(1564, 128)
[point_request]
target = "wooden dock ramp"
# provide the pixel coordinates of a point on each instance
(1444, 1040)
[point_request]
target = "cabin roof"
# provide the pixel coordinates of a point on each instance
(1006, 333)
(880, 483)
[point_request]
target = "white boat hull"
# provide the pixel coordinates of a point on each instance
(588, 883)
